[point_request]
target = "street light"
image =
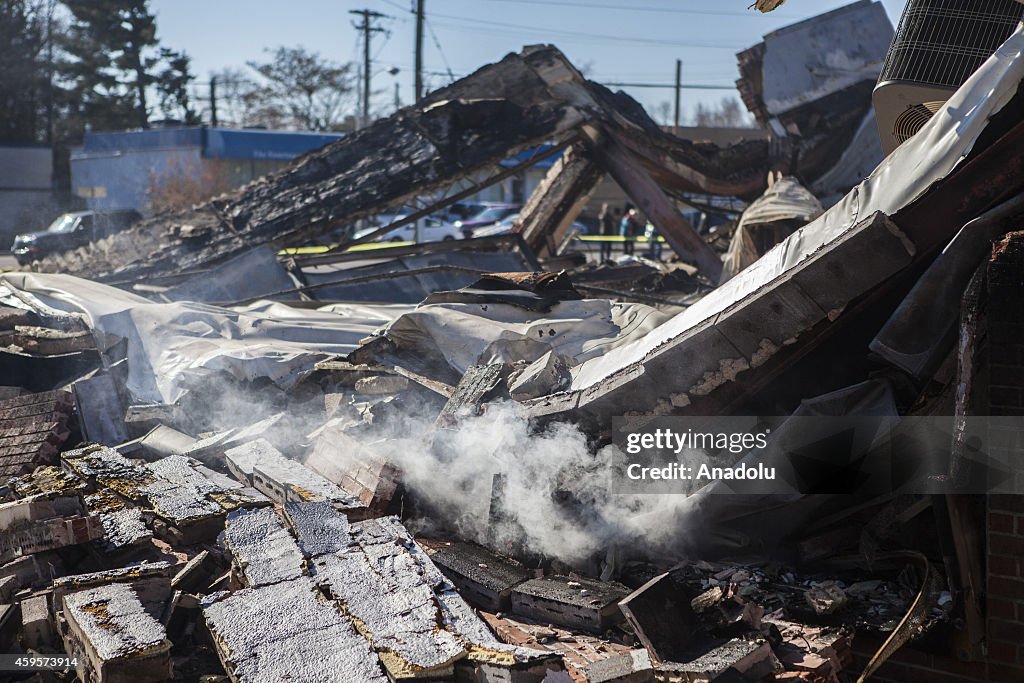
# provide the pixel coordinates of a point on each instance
(364, 121)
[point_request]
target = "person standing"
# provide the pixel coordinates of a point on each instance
(629, 228)
(609, 222)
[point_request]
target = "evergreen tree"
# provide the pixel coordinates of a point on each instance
(113, 60)
(23, 77)
(172, 84)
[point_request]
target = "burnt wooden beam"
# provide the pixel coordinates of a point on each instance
(522, 102)
(468, 128)
(558, 200)
(652, 201)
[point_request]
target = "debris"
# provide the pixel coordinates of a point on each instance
(33, 427)
(575, 603)
(752, 659)
(382, 385)
(661, 618)
(772, 217)
(43, 523)
(196, 575)
(579, 651)
(286, 465)
(99, 410)
(357, 468)
(546, 375)
(37, 632)
(286, 630)
(826, 597)
(263, 550)
(483, 578)
(523, 101)
(392, 604)
(114, 638)
(318, 528)
(632, 667)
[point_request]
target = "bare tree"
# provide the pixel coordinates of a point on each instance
(663, 113)
(301, 89)
(241, 101)
(729, 113)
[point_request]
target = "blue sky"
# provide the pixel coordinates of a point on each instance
(616, 40)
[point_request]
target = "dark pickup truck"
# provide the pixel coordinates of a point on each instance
(70, 231)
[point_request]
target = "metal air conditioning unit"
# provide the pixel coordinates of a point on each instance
(938, 45)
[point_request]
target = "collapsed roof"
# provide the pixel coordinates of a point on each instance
(519, 103)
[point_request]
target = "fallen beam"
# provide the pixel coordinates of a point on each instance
(655, 204)
(558, 200)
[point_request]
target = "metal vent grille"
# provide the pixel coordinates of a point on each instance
(913, 119)
(942, 42)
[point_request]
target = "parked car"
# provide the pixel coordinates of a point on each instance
(492, 214)
(505, 225)
(70, 231)
(460, 211)
(434, 230)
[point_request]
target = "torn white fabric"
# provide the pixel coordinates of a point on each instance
(170, 343)
(467, 334)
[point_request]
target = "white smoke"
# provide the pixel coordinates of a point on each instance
(558, 496)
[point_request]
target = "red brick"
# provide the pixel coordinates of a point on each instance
(1010, 375)
(1002, 652)
(1003, 544)
(911, 655)
(1006, 411)
(1006, 354)
(893, 670)
(1007, 502)
(1006, 631)
(1006, 588)
(1004, 396)
(1001, 609)
(1000, 522)
(921, 675)
(973, 670)
(1003, 566)
(1001, 673)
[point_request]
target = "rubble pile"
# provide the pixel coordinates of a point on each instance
(364, 467)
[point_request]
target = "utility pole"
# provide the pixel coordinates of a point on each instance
(679, 88)
(50, 110)
(368, 30)
(213, 101)
(420, 19)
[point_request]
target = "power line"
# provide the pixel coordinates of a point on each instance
(581, 34)
(630, 8)
(685, 86)
(430, 27)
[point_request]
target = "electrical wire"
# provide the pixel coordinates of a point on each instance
(604, 37)
(430, 29)
(629, 8)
